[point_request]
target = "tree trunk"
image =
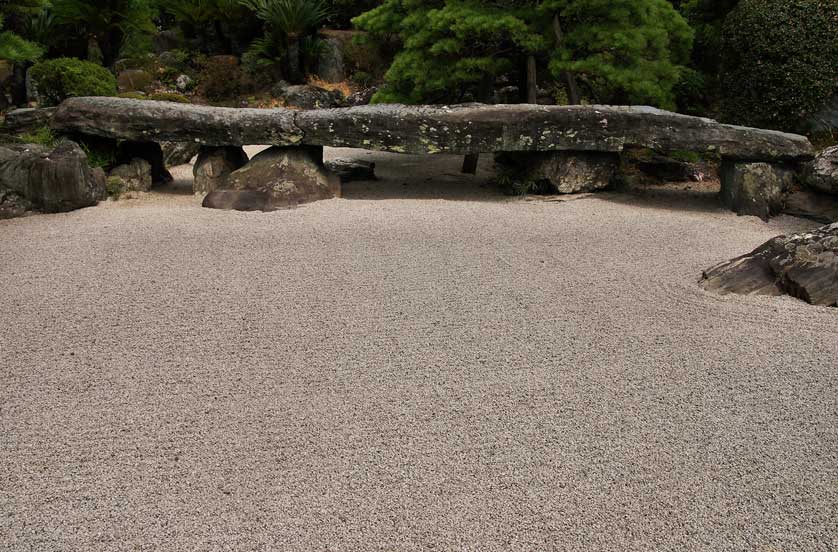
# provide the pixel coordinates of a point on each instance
(532, 81)
(111, 43)
(569, 80)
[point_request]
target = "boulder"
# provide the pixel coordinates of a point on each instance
(184, 83)
(13, 204)
(306, 96)
(561, 172)
(361, 97)
(134, 176)
(28, 119)
(757, 189)
(277, 178)
(148, 120)
(801, 265)
(822, 208)
(214, 164)
(179, 153)
(51, 180)
(821, 174)
(330, 66)
(151, 152)
(131, 80)
(351, 169)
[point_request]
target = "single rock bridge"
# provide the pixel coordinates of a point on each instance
(515, 130)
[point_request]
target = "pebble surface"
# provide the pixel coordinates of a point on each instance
(419, 365)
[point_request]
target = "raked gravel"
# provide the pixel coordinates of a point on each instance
(423, 364)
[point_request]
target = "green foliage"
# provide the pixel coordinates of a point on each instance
(291, 18)
(112, 23)
(624, 51)
(449, 48)
(115, 186)
(100, 154)
(169, 97)
(780, 61)
(627, 51)
(16, 49)
(58, 79)
(42, 136)
(132, 95)
(289, 39)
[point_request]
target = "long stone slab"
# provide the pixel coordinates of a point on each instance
(471, 128)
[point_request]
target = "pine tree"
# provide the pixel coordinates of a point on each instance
(618, 51)
(13, 47)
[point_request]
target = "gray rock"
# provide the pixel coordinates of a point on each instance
(213, 166)
(305, 96)
(757, 189)
(361, 97)
(135, 176)
(51, 180)
(822, 208)
(277, 178)
(184, 83)
(151, 152)
(430, 129)
(821, 174)
(13, 205)
(179, 153)
(330, 66)
(562, 172)
(146, 120)
(801, 265)
(28, 119)
(351, 169)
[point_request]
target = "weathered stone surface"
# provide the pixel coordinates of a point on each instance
(52, 181)
(361, 97)
(757, 189)
(277, 178)
(305, 96)
(821, 174)
(351, 169)
(801, 265)
(460, 129)
(822, 208)
(330, 66)
(13, 204)
(214, 164)
(149, 151)
(562, 172)
(26, 119)
(135, 176)
(479, 128)
(179, 153)
(153, 121)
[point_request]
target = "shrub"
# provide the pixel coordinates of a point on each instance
(42, 136)
(220, 81)
(62, 78)
(779, 61)
(169, 97)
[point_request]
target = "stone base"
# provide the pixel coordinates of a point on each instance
(151, 152)
(757, 189)
(277, 178)
(214, 165)
(564, 172)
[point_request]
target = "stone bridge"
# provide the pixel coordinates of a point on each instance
(757, 163)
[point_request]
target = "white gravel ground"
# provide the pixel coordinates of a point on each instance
(423, 364)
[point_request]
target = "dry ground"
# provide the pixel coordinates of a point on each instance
(423, 364)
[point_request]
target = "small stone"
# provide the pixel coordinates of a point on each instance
(184, 83)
